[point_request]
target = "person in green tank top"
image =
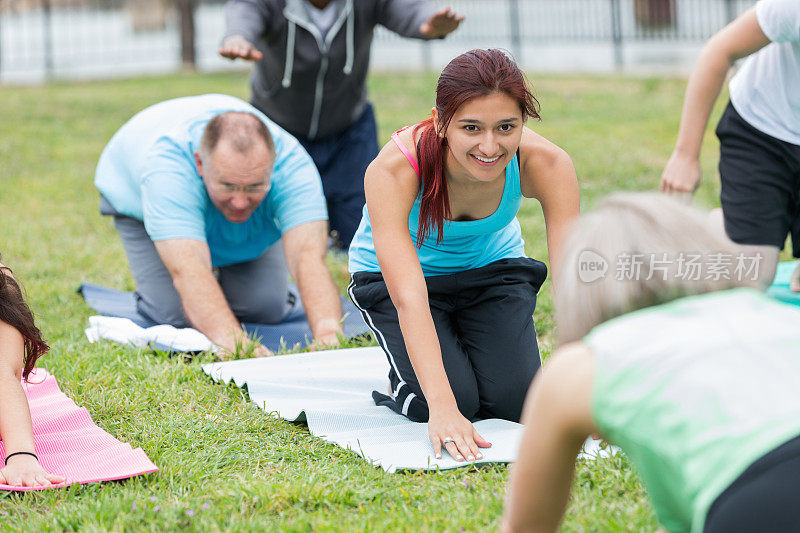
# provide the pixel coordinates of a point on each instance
(668, 351)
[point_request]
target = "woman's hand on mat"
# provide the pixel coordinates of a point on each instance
(682, 173)
(237, 46)
(451, 431)
(25, 471)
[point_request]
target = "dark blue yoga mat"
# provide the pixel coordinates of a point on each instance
(780, 286)
(294, 329)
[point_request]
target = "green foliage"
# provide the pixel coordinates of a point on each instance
(225, 465)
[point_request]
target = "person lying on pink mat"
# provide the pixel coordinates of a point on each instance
(21, 344)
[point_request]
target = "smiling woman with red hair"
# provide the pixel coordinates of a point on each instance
(438, 263)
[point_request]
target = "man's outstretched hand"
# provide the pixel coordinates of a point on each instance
(237, 46)
(441, 23)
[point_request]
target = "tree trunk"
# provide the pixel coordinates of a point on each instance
(186, 9)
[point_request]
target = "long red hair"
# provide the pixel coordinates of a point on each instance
(470, 75)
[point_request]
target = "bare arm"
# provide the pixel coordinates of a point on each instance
(189, 263)
(418, 19)
(237, 46)
(738, 39)
(557, 418)
(305, 246)
(549, 176)
(391, 187)
(15, 417)
(244, 24)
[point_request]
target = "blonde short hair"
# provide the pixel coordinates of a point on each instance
(663, 234)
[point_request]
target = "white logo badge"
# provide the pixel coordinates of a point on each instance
(591, 266)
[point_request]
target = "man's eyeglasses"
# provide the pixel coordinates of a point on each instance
(229, 188)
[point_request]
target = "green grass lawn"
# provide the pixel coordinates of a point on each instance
(224, 464)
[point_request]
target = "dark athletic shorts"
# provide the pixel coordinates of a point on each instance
(760, 184)
(764, 499)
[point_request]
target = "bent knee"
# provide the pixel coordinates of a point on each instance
(467, 399)
(506, 401)
(262, 308)
(166, 311)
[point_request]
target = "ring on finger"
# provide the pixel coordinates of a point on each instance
(448, 440)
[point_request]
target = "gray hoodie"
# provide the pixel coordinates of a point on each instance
(314, 85)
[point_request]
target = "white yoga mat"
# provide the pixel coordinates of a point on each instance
(332, 391)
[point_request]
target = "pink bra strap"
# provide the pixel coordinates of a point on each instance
(411, 159)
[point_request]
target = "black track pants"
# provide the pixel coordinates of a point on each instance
(483, 318)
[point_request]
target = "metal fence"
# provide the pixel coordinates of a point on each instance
(45, 39)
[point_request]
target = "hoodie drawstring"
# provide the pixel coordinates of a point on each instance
(290, 42)
(287, 71)
(348, 65)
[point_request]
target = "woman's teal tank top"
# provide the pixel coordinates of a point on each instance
(465, 245)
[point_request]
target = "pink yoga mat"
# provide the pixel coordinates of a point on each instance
(69, 443)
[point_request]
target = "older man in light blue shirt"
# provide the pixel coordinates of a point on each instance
(216, 205)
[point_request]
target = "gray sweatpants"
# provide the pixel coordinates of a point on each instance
(257, 291)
